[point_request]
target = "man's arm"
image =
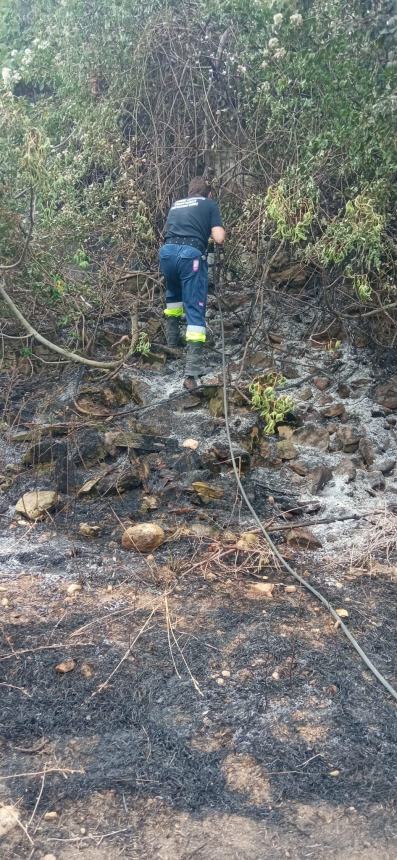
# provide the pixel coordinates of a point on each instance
(218, 235)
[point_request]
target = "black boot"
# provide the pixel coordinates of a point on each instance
(172, 332)
(194, 365)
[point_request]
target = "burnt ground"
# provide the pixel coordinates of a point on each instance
(239, 724)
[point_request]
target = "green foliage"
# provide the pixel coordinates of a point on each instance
(143, 344)
(272, 407)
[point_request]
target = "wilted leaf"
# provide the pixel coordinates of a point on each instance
(88, 530)
(89, 485)
(265, 588)
(73, 588)
(343, 613)
(247, 541)
(207, 493)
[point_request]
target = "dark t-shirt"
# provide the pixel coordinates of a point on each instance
(193, 219)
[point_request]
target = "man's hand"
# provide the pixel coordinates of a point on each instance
(218, 235)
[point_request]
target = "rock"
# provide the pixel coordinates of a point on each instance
(88, 446)
(65, 666)
(348, 438)
(385, 465)
(317, 437)
(89, 530)
(125, 477)
(343, 390)
(146, 443)
(34, 505)
(305, 393)
(215, 406)
(74, 588)
(386, 394)
(285, 431)
(299, 468)
(48, 857)
(366, 450)
(286, 450)
(51, 815)
(321, 382)
(41, 451)
(264, 589)
(319, 478)
(335, 410)
(219, 455)
(87, 670)
(376, 480)
(8, 819)
(347, 469)
(303, 538)
(143, 537)
(290, 589)
(190, 443)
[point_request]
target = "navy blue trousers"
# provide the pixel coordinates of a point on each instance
(186, 277)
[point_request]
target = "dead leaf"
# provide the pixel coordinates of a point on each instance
(148, 503)
(87, 670)
(8, 819)
(66, 666)
(207, 493)
(89, 530)
(247, 541)
(343, 613)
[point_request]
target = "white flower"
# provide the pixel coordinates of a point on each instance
(278, 19)
(280, 54)
(242, 70)
(264, 65)
(296, 19)
(16, 77)
(14, 52)
(265, 87)
(273, 43)
(6, 75)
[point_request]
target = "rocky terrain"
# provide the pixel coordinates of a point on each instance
(163, 678)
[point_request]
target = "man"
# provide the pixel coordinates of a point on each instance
(190, 224)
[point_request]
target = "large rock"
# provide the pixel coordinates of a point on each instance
(304, 538)
(286, 450)
(319, 478)
(386, 394)
(144, 537)
(34, 505)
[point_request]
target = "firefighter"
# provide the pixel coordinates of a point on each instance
(191, 223)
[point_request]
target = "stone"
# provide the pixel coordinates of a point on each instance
(51, 815)
(299, 468)
(65, 666)
(347, 469)
(143, 537)
(386, 394)
(264, 589)
(319, 478)
(343, 390)
(216, 407)
(190, 443)
(303, 538)
(305, 393)
(8, 819)
(334, 410)
(35, 504)
(40, 452)
(48, 857)
(385, 464)
(88, 446)
(285, 431)
(286, 450)
(290, 589)
(321, 382)
(74, 588)
(311, 435)
(366, 450)
(348, 438)
(206, 492)
(376, 480)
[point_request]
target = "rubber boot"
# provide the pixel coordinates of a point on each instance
(194, 365)
(172, 332)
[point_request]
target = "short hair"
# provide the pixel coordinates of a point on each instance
(199, 187)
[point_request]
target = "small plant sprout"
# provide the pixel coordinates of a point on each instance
(143, 344)
(264, 399)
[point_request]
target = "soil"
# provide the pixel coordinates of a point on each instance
(200, 717)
